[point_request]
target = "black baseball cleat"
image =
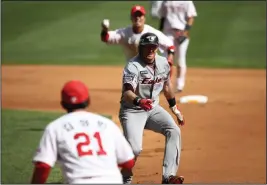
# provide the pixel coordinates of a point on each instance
(173, 180)
(127, 180)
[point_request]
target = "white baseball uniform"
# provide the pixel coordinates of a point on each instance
(176, 14)
(155, 7)
(89, 148)
(130, 40)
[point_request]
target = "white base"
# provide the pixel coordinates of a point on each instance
(194, 99)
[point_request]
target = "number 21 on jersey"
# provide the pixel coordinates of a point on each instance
(87, 142)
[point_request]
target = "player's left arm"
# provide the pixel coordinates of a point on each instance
(45, 157)
(170, 96)
(191, 13)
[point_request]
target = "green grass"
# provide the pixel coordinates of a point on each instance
(21, 132)
(225, 34)
(229, 34)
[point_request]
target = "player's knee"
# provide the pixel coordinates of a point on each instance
(136, 151)
(174, 132)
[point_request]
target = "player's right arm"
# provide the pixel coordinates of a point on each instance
(130, 82)
(45, 157)
(109, 36)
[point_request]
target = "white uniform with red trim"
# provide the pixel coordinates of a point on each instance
(176, 14)
(129, 40)
(89, 148)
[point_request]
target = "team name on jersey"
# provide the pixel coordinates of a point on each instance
(151, 81)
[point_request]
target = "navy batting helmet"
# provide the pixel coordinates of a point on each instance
(149, 38)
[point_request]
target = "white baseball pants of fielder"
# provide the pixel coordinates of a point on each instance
(158, 120)
(179, 58)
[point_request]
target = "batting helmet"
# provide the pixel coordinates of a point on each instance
(148, 39)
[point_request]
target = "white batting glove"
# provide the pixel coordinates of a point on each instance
(178, 114)
(105, 24)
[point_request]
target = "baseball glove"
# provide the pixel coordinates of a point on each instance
(181, 36)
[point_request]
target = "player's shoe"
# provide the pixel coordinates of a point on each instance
(127, 180)
(173, 180)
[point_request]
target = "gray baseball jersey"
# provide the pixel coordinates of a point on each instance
(146, 81)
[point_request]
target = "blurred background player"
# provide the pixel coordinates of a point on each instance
(89, 147)
(177, 18)
(129, 36)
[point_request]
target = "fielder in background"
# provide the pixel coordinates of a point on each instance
(177, 18)
(129, 36)
(144, 77)
(89, 147)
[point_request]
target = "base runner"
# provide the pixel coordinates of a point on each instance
(144, 77)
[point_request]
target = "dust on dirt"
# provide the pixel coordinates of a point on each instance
(224, 141)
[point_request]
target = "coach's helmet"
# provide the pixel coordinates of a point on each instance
(147, 39)
(74, 95)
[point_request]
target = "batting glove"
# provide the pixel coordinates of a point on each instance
(143, 103)
(178, 114)
(146, 104)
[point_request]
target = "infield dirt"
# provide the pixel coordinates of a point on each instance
(223, 141)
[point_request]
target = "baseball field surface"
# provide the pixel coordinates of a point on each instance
(45, 44)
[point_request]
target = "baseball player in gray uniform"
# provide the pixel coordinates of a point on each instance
(144, 77)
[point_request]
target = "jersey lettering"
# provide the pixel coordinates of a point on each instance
(84, 123)
(68, 127)
(151, 81)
